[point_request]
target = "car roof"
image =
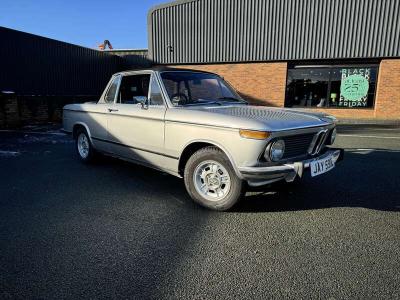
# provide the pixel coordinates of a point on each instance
(162, 69)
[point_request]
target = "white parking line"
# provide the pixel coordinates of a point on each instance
(371, 136)
(367, 151)
(376, 129)
(35, 132)
(9, 153)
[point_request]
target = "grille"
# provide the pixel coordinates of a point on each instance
(297, 145)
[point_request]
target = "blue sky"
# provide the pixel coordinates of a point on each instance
(85, 22)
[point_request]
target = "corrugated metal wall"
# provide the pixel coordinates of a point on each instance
(34, 65)
(134, 58)
(204, 31)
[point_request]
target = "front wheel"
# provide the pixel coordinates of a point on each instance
(84, 147)
(211, 180)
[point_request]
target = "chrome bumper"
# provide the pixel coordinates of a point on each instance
(258, 176)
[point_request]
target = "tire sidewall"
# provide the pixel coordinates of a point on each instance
(237, 185)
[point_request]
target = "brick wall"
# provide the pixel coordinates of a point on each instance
(9, 111)
(260, 83)
(387, 104)
(16, 111)
(265, 84)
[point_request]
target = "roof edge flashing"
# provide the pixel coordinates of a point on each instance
(169, 4)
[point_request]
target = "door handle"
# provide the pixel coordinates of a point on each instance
(112, 109)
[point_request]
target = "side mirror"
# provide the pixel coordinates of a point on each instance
(142, 100)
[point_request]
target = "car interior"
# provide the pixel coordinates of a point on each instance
(133, 86)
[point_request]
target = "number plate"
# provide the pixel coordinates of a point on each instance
(321, 166)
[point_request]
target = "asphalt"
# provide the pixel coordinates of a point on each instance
(117, 230)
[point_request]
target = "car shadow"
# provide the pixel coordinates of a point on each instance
(367, 179)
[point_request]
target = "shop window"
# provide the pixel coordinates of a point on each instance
(331, 86)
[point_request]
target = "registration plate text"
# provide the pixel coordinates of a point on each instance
(322, 166)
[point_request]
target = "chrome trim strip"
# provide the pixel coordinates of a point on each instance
(313, 142)
(302, 130)
(86, 112)
(318, 141)
(322, 144)
(266, 170)
(122, 115)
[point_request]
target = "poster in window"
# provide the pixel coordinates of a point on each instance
(354, 87)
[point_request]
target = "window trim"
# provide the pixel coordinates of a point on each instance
(117, 91)
(105, 91)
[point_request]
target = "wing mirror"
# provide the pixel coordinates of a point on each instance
(142, 100)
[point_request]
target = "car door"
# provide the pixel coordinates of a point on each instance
(136, 122)
(97, 116)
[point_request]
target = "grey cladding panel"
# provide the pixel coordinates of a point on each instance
(206, 31)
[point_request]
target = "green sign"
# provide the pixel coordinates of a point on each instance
(354, 87)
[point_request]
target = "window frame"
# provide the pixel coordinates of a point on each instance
(128, 75)
(331, 66)
(152, 75)
(166, 95)
(107, 90)
(164, 102)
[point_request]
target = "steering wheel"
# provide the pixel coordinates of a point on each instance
(179, 98)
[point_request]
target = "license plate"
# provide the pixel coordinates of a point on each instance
(322, 166)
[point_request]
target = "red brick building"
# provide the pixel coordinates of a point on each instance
(249, 80)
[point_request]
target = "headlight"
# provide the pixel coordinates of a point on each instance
(333, 136)
(275, 151)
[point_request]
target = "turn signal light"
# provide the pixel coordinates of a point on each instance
(253, 134)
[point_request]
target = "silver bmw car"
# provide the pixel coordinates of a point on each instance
(194, 125)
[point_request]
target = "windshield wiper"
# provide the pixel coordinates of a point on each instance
(231, 98)
(203, 103)
(220, 101)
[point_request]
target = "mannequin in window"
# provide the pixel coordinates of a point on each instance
(321, 103)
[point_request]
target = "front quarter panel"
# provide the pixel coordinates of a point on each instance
(240, 151)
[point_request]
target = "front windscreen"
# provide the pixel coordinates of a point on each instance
(196, 88)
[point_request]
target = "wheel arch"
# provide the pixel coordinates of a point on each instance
(80, 125)
(193, 146)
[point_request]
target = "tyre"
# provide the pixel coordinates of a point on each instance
(211, 180)
(84, 147)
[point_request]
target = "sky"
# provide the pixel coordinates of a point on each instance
(86, 22)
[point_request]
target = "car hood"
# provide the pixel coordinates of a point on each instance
(250, 117)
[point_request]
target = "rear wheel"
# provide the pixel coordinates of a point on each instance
(84, 147)
(211, 180)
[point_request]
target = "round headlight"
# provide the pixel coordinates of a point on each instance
(333, 136)
(277, 150)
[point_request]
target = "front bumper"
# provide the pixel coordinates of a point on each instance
(259, 175)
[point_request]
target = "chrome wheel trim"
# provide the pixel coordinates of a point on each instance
(211, 180)
(83, 145)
